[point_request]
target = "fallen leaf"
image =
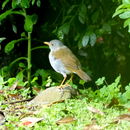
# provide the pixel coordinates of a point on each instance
(93, 127)
(30, 121)
(65, 120)
(94, 110)
(114, 101)
(124, 117)
(2, 118)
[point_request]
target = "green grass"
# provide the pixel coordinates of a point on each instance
(76, 108)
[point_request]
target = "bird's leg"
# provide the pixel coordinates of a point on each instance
(61, 85)
(70, 80)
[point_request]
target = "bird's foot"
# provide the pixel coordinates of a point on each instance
(63, 86)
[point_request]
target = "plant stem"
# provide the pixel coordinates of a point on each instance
(29, 61)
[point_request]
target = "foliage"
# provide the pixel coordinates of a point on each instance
(123, 11)
(89, 107)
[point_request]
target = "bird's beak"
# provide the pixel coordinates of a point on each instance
(47, 43)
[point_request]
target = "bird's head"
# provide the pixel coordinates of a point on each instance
(54, 44)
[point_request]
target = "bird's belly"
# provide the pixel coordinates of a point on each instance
(58, 66)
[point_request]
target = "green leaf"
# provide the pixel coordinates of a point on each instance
(82, 13)
(19, 76)
(30, 20)
(85, 40)
(33, 2)
(125, 15)
(5, 3)
(127, 22)
(38, 3)
(129, 28)
(25, 3)
(16, 3)
(5, 14)
(11, 44)
(118, 12)
(100, 81)
(2, 39)
(126, 1)
(93, 39)
(65, 28)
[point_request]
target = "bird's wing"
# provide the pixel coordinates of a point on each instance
(69, 60)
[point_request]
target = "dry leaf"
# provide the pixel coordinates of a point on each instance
(2, 118)
(65, 120)
(94, 110)
(93, 127)
(30, 121)
(124, 117)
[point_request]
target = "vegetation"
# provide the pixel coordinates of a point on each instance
(93, 30)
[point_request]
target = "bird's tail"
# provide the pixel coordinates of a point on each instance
(83, 75)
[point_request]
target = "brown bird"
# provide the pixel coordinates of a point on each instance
(64, 61)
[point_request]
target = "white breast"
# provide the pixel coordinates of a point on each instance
(57, 65)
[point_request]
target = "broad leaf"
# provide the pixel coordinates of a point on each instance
(85, 40)
(30, 20)
(65, 28)
(125, 15)
(11, 44)
(127, 22)
(16, 3)
(93, 39)
(126, 1)
(83, 13)
(5, 14)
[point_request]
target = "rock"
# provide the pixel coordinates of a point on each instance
(53, 94)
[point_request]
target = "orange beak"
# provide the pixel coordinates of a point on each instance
(47, 43)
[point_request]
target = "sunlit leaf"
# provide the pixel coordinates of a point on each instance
(125, 15)
(20, 76)
(100, 81)
(127, 22)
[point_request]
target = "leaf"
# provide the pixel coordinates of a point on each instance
(16, 3)
(127, 22)
(9, 47)
(30, 20)
(118, 12)
(82, 13)
(100, 81)
(65, 28)
(30, 121)
(25, 3)
(38, 3)
(94, 110)
(93, 127)
(85, 40)
(125, 15)
(5, 3)
(14, 28)
(126, 1)
(2, 39)
(5, 14)
(19, 76)
(65, 120)
(93, 39)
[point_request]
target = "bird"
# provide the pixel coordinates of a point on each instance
(64, 61)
